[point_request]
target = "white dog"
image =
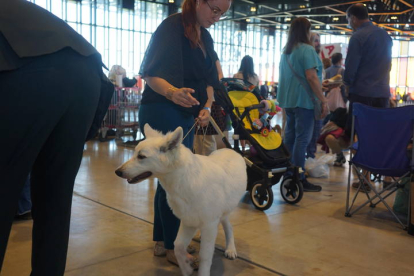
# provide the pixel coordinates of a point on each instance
(201, 190)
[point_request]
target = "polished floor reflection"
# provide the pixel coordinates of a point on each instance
(111, 231)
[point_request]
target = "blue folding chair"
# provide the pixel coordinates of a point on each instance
(383, 137)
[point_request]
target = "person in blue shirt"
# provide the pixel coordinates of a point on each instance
(368, 62)
(294, 98)
(367, 65)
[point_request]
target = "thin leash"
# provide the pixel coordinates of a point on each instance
(195, 123)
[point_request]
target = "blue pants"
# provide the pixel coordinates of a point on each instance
(311, 149)
(298, 133)
(165, 117)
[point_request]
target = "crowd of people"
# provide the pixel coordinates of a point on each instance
(181, 70)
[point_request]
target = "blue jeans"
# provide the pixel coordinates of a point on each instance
(311, 149)
(298, 133)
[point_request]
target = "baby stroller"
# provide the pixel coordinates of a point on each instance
(268, 159)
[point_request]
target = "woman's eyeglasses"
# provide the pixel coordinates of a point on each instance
(216, 12)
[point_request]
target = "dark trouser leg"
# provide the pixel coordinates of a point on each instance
(157, 231)
(169, 222)
(48, 113)
(166, 224)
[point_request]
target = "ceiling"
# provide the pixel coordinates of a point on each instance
(326, 16)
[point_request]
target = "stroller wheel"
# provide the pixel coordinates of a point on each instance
(262, 197)
(291, 192)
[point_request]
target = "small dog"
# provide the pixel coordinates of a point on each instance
(201, 190)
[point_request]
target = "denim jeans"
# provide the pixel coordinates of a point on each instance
(311, 149)
(298, 133)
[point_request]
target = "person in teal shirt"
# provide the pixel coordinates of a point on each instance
(293, 96)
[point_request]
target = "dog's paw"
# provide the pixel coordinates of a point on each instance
(187, 269)
(230, 254)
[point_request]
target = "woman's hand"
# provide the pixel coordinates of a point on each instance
(203, 117)
(324, 109)
(182, 96)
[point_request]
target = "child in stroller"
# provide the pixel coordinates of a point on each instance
(268, 159)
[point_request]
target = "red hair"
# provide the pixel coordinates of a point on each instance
(190, 21)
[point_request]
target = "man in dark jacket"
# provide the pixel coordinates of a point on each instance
(54, 96)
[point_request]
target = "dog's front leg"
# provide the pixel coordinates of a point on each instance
(208, 239)
(184, 236)
(230, 252)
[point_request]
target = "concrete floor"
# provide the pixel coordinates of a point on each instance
(111, 231)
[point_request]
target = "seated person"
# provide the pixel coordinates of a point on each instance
(331, 135)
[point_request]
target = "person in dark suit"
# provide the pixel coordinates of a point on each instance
(54, 96)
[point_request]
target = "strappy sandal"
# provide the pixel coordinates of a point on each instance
(160, 251)
(195, 263)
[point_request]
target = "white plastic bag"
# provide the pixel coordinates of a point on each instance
(116, 70)
(319, 167)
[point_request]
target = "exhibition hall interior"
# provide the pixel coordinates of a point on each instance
(316, 211)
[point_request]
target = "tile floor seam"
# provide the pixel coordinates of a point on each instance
(112, 208)
(108, 260)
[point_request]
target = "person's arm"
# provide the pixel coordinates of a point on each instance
(219, 70)
(204, 114)
(316, 87)
(180, 96)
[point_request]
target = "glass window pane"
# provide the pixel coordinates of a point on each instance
(393, 73)
(72, 11)
(404, 48)
(402, 72)
(410, 72)
(396, 48)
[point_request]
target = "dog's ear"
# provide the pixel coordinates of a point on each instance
(149, 132)
(173, 140)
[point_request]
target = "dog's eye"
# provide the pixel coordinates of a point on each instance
(140, 156)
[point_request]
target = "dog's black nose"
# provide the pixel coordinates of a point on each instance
(118, 173)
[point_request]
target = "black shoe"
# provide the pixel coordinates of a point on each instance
(25, 216)
(309, 187)
(340, 160)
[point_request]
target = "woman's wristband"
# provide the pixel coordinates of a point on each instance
(207, 108)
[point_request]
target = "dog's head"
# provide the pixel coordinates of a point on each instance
(157, 154)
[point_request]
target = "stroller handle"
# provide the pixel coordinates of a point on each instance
(249, 108)
(256, 106)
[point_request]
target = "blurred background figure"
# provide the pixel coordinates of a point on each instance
(246, 71)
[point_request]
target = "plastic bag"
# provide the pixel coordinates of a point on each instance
(319, 167)
(335, 99)
(116, 70)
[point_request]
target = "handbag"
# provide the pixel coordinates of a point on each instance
(317, 107)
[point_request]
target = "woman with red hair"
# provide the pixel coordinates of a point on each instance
(180, 71)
